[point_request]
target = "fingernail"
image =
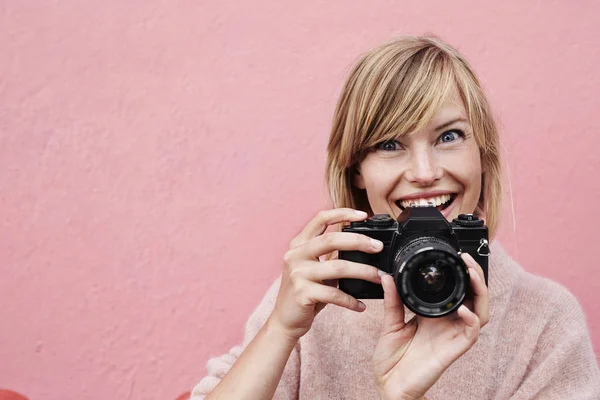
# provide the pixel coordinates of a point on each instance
(376, 244)
(469, 258)
(381, 273)
(361, 306)
(360, 213)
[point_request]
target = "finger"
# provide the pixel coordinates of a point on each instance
(481, 299)
(472, 264)
(393, 309)
(331, 241)
(317, 293)
(336, 269)
(323, 219)
(471, 322)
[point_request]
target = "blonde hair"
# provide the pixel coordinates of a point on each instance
(395, 89)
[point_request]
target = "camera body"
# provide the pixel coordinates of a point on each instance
(421, 250)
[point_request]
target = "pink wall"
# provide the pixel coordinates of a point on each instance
(156, 157)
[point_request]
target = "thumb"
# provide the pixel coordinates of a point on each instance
(393, 309)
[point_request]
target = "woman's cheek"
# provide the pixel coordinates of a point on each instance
(378, 194)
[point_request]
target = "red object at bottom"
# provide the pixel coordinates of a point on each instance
(6, 394)
(183, 396)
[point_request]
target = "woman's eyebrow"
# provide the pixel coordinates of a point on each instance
(452, 121)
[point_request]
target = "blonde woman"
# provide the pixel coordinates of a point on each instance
(412, 123)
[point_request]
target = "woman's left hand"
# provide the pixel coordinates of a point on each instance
(410, 357)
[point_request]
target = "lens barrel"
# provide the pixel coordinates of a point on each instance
(430, 276)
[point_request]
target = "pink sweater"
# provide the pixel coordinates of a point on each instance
(536, 345)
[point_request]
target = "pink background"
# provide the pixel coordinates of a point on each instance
(156, 157)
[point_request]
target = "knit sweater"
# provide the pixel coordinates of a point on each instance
(535, 345)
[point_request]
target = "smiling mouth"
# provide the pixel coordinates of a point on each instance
(440, 202)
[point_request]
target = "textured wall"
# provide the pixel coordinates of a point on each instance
(157, 156)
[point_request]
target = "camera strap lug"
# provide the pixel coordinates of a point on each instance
(484, 249)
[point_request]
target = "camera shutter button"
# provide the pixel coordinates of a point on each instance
(380, 221)
(468, 220)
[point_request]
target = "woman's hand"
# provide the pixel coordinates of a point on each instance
(409, 358)
(308, 284)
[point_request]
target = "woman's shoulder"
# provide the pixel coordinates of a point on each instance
(539, 336)
(547, 291)
(531, 296)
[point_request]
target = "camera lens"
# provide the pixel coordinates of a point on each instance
(430, 276)
(432, 281)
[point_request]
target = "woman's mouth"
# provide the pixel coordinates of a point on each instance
(441, 202)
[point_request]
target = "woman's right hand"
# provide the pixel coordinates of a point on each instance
(308, 284)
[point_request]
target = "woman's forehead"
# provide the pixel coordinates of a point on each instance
(452, 109)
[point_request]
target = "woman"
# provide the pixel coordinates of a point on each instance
(412, 124)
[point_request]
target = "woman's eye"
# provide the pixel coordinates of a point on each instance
(450, 136)
(390, 145)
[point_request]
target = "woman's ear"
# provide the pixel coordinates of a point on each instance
(357, 179)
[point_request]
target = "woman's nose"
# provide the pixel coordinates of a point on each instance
(424, 169)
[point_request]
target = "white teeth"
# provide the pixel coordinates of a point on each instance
(436, 201)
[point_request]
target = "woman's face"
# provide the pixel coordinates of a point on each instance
(440, 164)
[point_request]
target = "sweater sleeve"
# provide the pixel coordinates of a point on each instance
(563, 365)
(219, 366)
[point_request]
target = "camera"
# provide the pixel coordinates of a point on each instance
(421, 250)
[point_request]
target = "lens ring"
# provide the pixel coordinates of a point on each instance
(422, 254)
(439, 294)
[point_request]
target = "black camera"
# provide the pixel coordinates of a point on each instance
(421, 250)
